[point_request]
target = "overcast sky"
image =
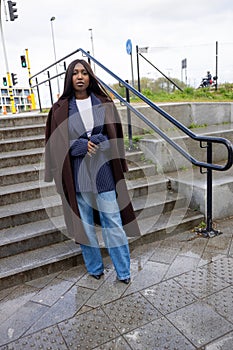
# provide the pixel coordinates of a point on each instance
(172, 29)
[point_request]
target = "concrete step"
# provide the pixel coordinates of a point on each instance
(142, 169)
(24, 191)
(39, 262)
(133, 157)
(22, 119)
(22, 157)
(21, 131)
(144, 185)
(29, 142)
(168, 224)
(157, 203)
(18, 174)
(30, 211)
(26, 237)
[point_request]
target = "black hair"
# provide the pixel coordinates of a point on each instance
(94, 85)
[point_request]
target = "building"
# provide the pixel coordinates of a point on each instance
(22, 100)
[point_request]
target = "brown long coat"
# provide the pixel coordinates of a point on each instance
(58, 167)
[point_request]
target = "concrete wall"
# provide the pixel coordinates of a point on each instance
(186, 113)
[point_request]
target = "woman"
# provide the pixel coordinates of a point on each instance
(85, 156)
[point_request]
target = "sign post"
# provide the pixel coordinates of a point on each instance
(184, 66)
(129, 52)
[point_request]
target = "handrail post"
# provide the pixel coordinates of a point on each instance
(50, 88)
(209, 190)
(209, 231)
(38, 94)
(129, 119)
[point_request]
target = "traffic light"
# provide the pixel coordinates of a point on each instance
(14, 79)
(23, 61)
(12, 10)
(4, 81)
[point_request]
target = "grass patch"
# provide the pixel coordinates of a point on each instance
(189, 94)
(196, 126)
(193, 95)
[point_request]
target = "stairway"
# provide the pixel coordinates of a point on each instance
(32, 245)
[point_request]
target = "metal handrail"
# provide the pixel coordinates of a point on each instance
(209, 140)
(206, 139)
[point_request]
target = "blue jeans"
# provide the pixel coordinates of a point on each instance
(113, 233)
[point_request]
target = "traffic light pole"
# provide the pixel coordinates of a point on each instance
(13, 109)
(33, 101)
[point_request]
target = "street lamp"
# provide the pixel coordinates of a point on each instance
(54, 50)
(92, 45)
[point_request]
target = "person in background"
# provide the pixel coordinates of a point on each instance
(209, 78)
(85, 156)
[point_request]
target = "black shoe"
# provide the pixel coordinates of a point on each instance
(126, 281)
(97, 277)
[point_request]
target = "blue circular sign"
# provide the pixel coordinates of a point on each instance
(129, 47)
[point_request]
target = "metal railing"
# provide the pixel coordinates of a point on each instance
(164, 75)
(204, 141)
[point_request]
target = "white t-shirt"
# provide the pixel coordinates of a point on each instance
(85, 109)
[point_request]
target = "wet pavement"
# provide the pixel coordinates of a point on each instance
(180, 298)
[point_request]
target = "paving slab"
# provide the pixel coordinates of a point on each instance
(159, 334)
(201, 282)
(66, 307)
(18, 323)
(200, 323)
(168, 296)
(131, 312)
(222, 301)
(52, 292)
(88, 330)
(50, 338)
(224, 343)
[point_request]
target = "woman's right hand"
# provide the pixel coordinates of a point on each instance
(91, 148)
